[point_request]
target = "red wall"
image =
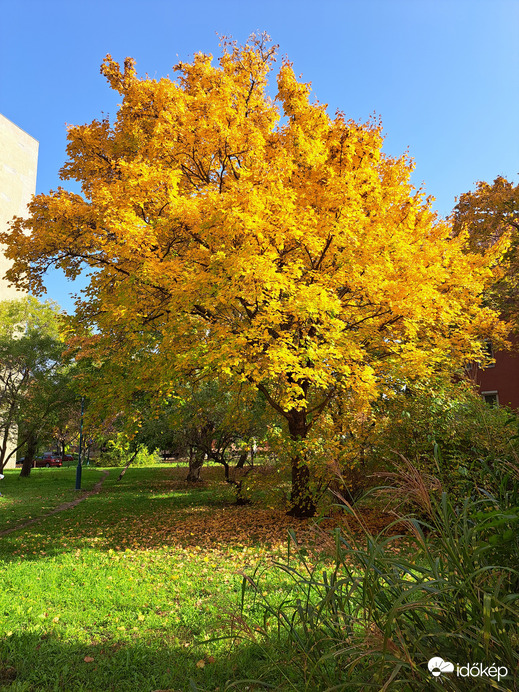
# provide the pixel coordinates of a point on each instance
(502, 377)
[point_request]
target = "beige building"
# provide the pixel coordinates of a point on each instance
(18, 163)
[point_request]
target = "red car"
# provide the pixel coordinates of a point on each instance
(47, 461)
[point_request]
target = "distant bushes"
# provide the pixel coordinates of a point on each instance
(118, 453)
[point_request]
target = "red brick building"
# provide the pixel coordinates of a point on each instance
(499, 383)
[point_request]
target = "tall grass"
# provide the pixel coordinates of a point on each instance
(447, 587)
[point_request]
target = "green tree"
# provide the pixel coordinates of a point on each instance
(215, 419)
(208, 418)
(34, 376)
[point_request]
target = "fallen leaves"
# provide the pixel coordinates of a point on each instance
(218, 526)
(205, 661)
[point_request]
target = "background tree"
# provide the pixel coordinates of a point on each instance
(214, 419)
(34, 375)
(65, 422)
(258, 238)
(45, 413)
(218, 421)
(487, 214)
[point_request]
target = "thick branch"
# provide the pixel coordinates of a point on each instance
(271, 401)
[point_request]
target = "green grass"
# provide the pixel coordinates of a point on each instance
(45, 489)
(157, 585)
(136, 578)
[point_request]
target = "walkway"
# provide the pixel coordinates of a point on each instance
(60, 508)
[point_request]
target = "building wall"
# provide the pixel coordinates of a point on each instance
(18, 164)
(499, 383)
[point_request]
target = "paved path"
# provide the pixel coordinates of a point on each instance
(60, 508)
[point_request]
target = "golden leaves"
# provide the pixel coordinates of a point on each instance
(290, 252)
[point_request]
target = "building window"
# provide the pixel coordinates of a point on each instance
(491, 398)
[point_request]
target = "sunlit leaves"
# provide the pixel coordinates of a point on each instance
(489, 216)
(257, 237)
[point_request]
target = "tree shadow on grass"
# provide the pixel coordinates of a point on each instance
(34, 662)
(147, 522)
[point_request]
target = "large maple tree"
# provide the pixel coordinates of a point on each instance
(256, 236)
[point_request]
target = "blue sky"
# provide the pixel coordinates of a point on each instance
(442, 74)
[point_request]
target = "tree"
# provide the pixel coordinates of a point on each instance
(33, 375)
(213, 418)
(66, 422)
(200, 418)
(258, 237)
(487, 214)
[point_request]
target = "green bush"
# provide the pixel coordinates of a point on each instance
(448, 430)
(118, 453)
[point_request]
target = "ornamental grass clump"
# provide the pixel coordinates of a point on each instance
(444, 588)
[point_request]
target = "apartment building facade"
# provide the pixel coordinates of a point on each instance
(18, 166)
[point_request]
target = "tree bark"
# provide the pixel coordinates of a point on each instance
(32, 446)
(241, 461)
(302, 500)
(127, 465)
(196, 461)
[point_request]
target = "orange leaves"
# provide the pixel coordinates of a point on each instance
(262, 239)
(118, 80)
(486, 221)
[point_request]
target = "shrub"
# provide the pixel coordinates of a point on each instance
(118, 453)
(447, 430)
(377, 617)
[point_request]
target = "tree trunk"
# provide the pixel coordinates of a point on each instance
(196, 461)
(301, 498)
(241, 461)
(303, 504)
(32, 446)
(127, 466)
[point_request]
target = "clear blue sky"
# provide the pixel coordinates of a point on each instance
(442, 74)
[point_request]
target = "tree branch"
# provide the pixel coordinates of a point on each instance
(261, 387)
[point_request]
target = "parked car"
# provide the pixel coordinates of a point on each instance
(47, 461)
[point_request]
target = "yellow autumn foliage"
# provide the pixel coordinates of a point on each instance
(257, 236)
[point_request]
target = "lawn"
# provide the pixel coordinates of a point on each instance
(45, 489)
(140, 587)
(136, 587)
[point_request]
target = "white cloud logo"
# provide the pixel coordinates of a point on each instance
(437, 666)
